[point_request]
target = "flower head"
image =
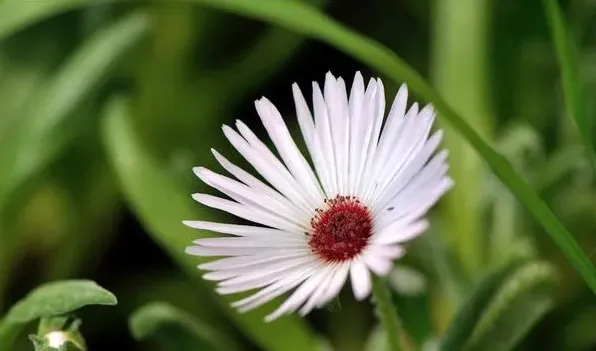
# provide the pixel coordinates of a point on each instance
(371, 182)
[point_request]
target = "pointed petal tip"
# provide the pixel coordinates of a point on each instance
(270, 318)
(199, 171)
(189, 250)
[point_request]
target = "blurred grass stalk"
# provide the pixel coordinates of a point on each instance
(459, 69)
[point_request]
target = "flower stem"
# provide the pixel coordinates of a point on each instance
(8, 334)
(387, 314)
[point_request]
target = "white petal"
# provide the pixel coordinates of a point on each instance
(241, 230)
(283, 285)
(392, 129)
(254, 199)
(361, 281)
(400, 231)
(378, 111)
(317, 297)
(412, 139)
(300, 295)
(401, 177)
(262, 280)
(397, 232)
(224, 251)
(256, 277)
(253, 242)
(381, 266)
(247, 261)
(356, 103)
(292, 157)
(336, 101)
(254, 265)
(311, 139)
(336, 283)
(268, 166)
(388, 252)
(247, 212)
(323, 130)
(367, 128)
(253, 182)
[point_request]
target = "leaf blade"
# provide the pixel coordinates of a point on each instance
(40, 137)
(521, 302)
(58, 298)
(173, 324)
(570, 76)
(471, 311)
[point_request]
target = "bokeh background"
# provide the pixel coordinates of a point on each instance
(105, 109)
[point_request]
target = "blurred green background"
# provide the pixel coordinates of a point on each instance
(106, 106)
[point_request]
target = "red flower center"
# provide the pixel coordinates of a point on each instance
(342, 230)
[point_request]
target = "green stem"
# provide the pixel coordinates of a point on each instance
(387, 314)
(460, 75)
(8, 334)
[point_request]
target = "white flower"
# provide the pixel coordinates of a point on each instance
(371, 185)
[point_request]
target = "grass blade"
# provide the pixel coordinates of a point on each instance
(45, 130)
(471, 311)
(567, 56)
(175, 329)
(522, 300)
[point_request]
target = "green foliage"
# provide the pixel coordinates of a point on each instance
(175, 329)
(503, 308)
(49, 302)
(570, 75)
(51, 122)
(57, 298)
(521, 301)
(472, 310)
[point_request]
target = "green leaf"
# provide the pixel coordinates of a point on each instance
(57, 298)
(44, 131)
(174, 329)
(306, 20)
(567, 54)
(161, 206)
(387, 314)
(471, 311)
(526, 296)
(16, 14)
(49, 300)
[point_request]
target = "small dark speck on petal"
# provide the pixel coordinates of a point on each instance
(390, 208)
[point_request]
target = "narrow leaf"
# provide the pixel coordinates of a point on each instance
(567, 54)
(471, 311)
(161, 206)
(57, 298)
(17, 14)
(43, 132)
(174, 329)
(520, 303)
